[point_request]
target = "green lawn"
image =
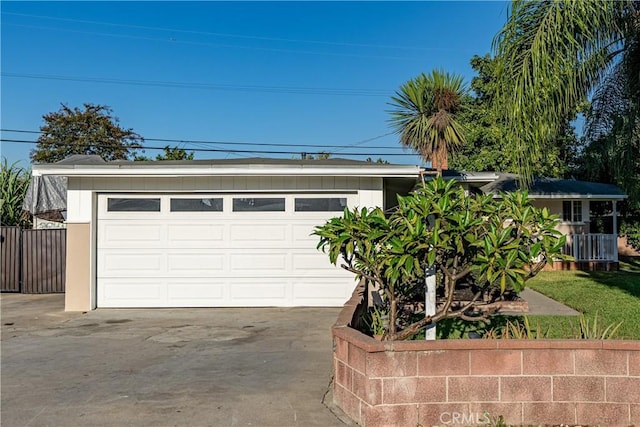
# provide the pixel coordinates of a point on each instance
(614, 295)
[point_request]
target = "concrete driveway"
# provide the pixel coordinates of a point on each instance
(163, 367)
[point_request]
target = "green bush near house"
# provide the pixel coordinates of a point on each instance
(14, 182)
(631, 229)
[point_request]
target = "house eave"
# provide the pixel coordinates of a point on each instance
(465, 176)
(575, 196)
(132, 171)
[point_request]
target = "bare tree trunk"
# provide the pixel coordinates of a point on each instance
(392, 317)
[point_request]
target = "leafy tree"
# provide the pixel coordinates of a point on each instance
(170, 153)
(552, 55)
(487, 148)
(92, 130)
(491, 245)
(424, 115)
(15, 182)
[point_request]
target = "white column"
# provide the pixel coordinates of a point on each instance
(430, 301)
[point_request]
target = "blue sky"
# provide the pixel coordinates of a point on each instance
(291, 73)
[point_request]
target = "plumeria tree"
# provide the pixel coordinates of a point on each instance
(485, 244)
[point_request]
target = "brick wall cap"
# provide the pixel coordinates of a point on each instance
(358, 339)
(568, 344)
(621, 345)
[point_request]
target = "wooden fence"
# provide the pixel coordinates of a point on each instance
(32, 261)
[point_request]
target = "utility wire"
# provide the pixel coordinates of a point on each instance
(234, 46)
(209, 86)
(218, 150)
(261, 144)
(229, 35)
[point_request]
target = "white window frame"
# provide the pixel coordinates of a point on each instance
(576, 215)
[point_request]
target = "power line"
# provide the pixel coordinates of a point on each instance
(209, 86)
(229, 35)
(262, 144)
(234, 46)
(217, 150)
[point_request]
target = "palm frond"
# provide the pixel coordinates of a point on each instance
(552, 54)
(423, 114)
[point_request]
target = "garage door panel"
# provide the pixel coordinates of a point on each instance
(318, 291)
(311, 260)
(257, 232)
(194, 291)
(195, 263)
(135, 264)
(248, 262)
(195, 235)
(126, 292)
(140, 235)
(309, 265)
(302, 234)
(259, 289)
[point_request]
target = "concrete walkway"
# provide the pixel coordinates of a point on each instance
(542, 304)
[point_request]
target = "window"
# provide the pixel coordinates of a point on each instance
(196, 205)
(572, 211)
(258, 204)
(323, 204)
(133, 205)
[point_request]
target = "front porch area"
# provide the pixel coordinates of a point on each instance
(590, 251)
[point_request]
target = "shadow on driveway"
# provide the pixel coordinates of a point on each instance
(164, 367)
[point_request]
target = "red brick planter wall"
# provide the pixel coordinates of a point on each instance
(455, 382)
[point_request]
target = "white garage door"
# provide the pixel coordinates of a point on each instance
(212, 250)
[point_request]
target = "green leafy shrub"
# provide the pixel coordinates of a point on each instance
(631, 229)
(485, 244)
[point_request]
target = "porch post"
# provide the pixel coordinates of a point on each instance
(615, 231)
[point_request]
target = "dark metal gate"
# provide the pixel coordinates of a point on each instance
(10, 259)
(33, 261)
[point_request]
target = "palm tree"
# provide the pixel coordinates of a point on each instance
(424, 115)
(553, 55)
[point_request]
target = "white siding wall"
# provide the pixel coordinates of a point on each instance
(555, 207)
(79, 200)
(226, 183)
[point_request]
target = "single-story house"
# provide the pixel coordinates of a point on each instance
(570, 199)
(221, 233)
(212, 233)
